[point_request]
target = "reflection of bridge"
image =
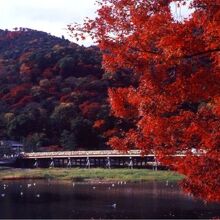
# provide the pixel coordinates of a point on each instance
(104, 158)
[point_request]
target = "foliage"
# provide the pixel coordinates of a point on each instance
(68, 140)
(175, 105)
(51, 92)
(34, 141)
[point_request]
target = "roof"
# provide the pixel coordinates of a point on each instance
(11, 143)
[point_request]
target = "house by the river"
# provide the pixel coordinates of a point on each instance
(10, 148)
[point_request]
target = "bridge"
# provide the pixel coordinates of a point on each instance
(88, 159)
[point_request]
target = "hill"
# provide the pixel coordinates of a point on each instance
(54, 92)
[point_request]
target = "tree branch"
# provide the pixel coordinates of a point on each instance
(201, 53)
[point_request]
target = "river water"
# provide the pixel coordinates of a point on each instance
(55, 199)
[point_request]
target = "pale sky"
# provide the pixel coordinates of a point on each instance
(51, 16)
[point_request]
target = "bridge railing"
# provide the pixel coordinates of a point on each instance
(104, 153)
(96, 153)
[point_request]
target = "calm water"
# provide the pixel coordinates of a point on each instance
(47, 199)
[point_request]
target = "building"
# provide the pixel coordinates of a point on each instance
(10, 147)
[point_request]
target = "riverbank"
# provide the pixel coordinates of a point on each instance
(90, 175)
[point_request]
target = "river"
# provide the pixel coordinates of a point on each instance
(56, 199)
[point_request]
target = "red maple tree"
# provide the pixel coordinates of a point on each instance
(176, 105)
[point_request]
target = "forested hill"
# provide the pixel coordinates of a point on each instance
(53, 92)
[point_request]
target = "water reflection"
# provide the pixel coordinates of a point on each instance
(49, 199)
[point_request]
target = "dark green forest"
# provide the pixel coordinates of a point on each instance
(54, 93)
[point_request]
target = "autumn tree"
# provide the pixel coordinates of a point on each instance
(51, 92)
(175, 107)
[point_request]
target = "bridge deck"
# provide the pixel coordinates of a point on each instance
(90, 154)
(81, 154)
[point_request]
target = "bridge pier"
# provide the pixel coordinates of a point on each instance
(108, 163)
(69, 164)
(130, 164)
(35, 164)
(51, 163)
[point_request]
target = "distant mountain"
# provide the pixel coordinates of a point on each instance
(54, 92)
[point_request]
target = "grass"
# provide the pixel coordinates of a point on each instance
(95, 174)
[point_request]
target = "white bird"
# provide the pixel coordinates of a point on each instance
(113, 184)
(34, 184)
(2, 195)
(114, 205)
(29, 185)
(38, 195)
(94, 187)
(21, 193)
(167, 183)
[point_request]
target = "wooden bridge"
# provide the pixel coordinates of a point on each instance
(88, 159)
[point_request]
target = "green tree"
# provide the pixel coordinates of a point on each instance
(20, 126)
(62, 115)
(68, 140)
(84, 133)
(34, 141)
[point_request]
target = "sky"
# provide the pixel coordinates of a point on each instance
(51, 16)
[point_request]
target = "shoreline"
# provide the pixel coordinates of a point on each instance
(93, 175)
